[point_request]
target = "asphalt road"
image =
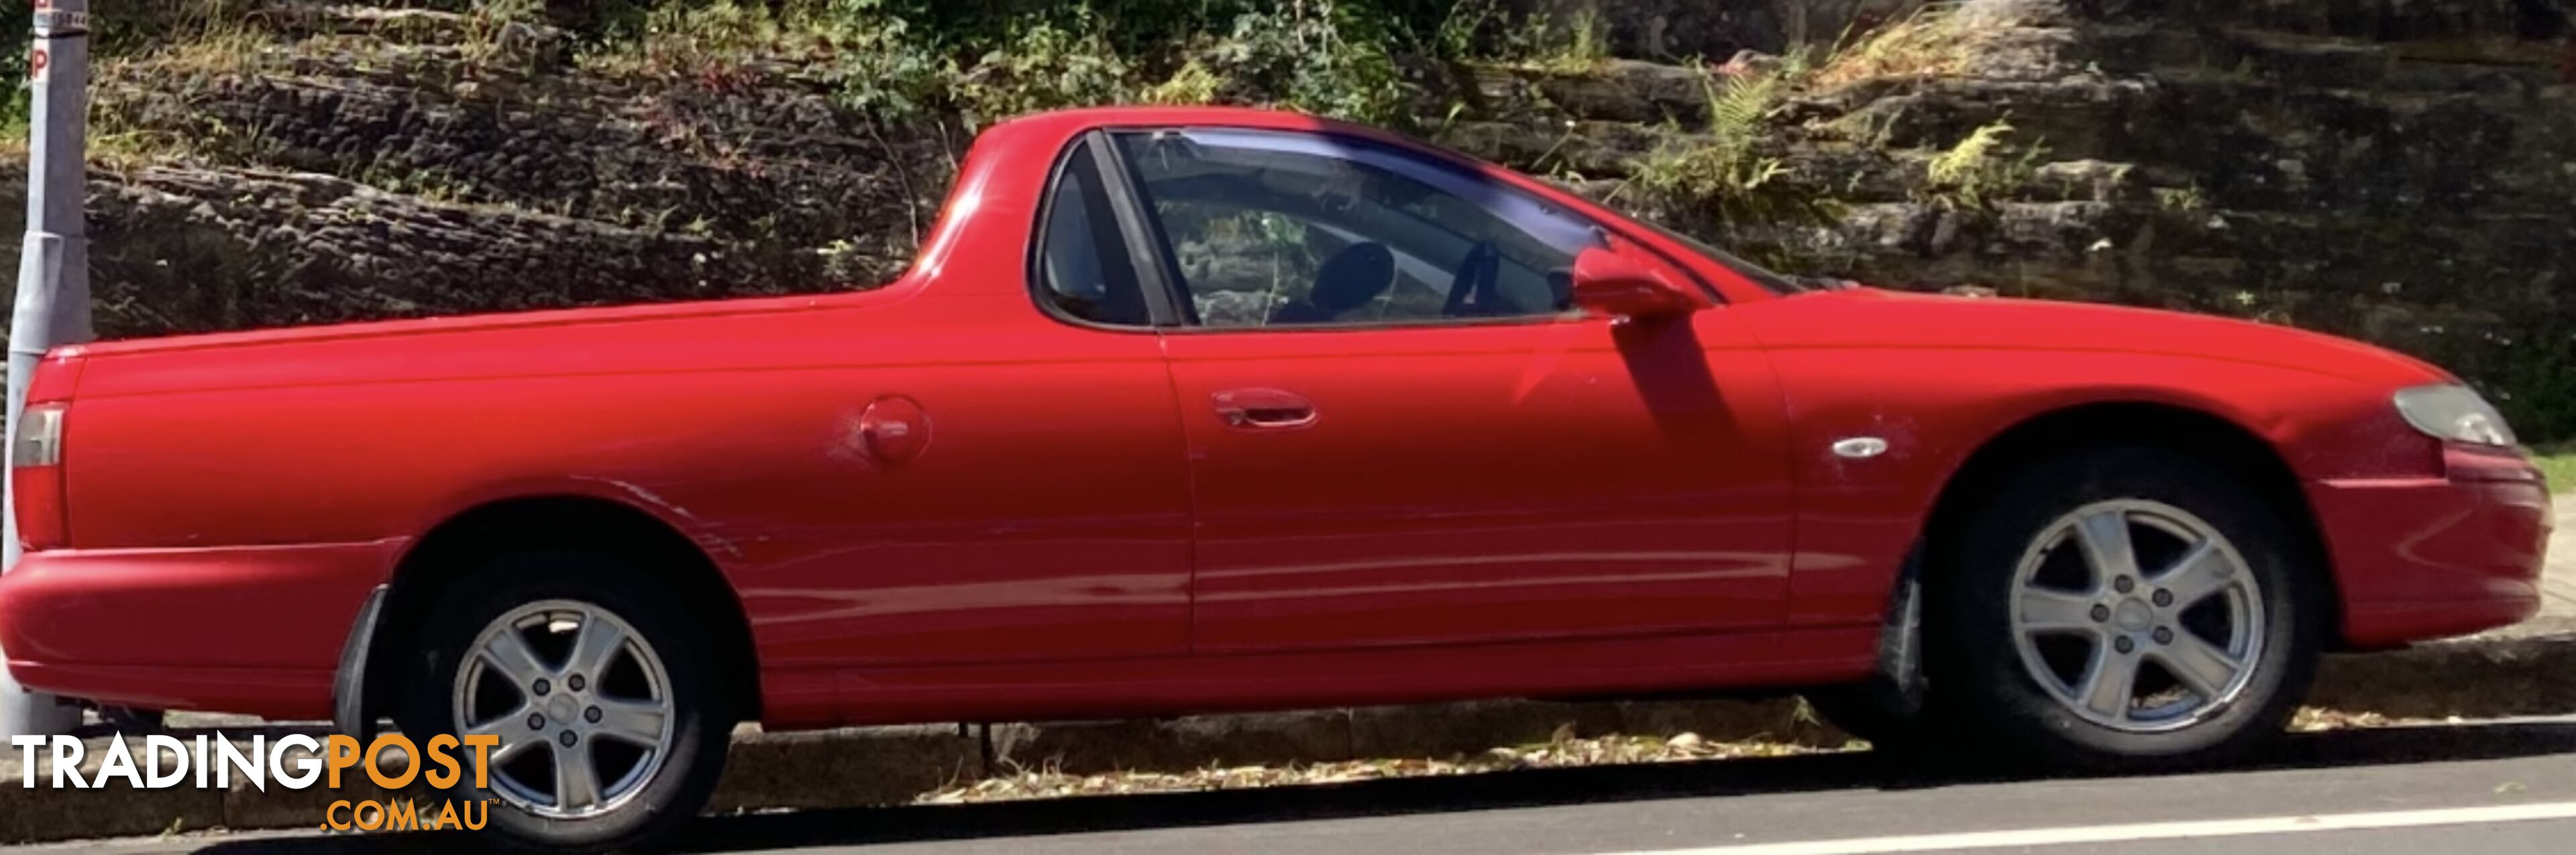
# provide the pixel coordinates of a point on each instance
(2485, 789)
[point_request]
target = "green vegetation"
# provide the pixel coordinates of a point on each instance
(1483, 30)
(214, 33)
(2184, 199)
(1930, 42)
(2536, 385)
(1787, 142)
(13, 109)
(1729, 175)
(2558, 461)
(1971, 173)
(1581, 44)
(1736, 175)
(899, 59)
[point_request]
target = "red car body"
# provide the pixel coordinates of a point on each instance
(932, 501)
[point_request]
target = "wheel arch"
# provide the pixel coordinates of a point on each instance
(2158, 424)
(463, 541)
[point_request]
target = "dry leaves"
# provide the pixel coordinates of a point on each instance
(1566, 750)
(2313, 719)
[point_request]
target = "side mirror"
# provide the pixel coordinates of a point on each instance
(1612, 284)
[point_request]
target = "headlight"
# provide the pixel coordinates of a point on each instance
(2453, 413)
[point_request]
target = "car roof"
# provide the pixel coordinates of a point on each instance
(1161, 115)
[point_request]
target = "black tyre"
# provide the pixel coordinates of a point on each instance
(601, 688)
(135, 719)
(2122, 609)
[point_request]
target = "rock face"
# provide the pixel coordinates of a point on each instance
(193, 249)
(396, 163)
(2397, 170)
(1680, 29)
(2402, 172)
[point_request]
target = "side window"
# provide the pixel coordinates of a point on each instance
(1083, 271)
(1273, 229)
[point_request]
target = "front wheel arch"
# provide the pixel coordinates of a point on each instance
(2136, 424)
(1895, 716)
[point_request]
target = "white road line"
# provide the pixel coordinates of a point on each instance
(2147, 831)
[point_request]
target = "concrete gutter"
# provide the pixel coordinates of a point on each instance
(2518, 674)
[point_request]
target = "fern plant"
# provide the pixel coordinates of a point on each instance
(1725, 177)
(1982, 164)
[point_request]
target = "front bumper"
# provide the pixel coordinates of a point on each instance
(2425, 558)
(255, 630)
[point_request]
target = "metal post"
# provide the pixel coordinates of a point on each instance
(53, 273)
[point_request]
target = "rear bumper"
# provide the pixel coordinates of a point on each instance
(2427, 558)
(254, 630)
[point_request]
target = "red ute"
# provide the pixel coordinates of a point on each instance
(1205, 409)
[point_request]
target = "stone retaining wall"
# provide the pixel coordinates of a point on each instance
(2396, 171)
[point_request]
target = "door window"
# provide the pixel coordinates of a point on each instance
(1274, 229)
(1084, 272)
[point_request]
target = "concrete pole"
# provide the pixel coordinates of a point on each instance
(53, 273)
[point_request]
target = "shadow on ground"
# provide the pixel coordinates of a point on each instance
(1529, 788)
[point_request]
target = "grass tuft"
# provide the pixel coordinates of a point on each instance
(1930, 42)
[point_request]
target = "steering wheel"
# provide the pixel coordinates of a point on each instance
(1474, 276)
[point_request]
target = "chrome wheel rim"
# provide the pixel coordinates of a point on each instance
(2137, 616)
(581, 704)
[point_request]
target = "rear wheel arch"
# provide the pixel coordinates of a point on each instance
(466, 541)
(2200, 433)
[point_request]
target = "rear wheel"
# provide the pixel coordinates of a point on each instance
(598, 688)
(2125, 608)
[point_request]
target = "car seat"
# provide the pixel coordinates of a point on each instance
(1358, 274)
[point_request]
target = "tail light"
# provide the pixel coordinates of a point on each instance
(36, 476)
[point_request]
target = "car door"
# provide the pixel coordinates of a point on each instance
(1006, 485)
(1400, 433)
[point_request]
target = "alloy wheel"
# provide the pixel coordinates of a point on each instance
(581, 703)
(2137, 616)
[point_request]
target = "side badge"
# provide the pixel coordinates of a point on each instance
(1860, 448)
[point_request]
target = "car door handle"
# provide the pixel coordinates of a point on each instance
(1264, 409)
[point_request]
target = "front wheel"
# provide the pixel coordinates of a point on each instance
(2127, 608)
(598, 688)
